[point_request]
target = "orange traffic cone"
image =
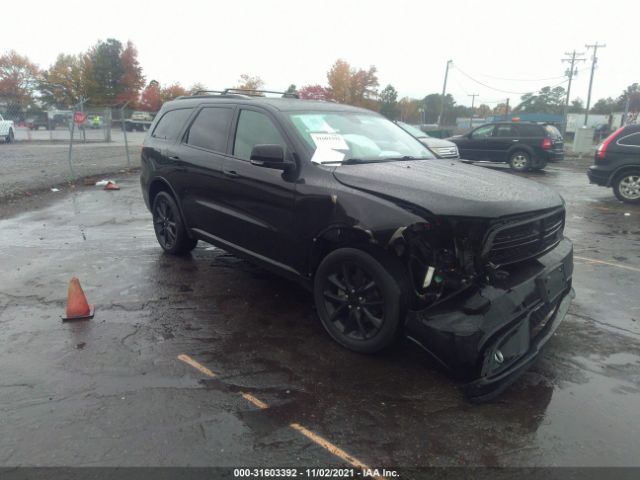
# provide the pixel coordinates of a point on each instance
(111, 186)
(77, 306)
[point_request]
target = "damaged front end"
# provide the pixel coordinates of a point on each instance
(487, 294)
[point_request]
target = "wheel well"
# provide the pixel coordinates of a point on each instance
(623, 171)
(338, 237)
(156, 187)
(519, 148)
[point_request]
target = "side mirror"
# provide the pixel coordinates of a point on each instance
(269, 156)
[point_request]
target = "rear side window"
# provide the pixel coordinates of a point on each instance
(255, 128)
(171, 123)
(632, 140)
(506, 131)
(210, 129)
(530, 130)
(552, 131)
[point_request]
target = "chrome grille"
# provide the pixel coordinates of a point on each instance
(524, 238)
(447, 152)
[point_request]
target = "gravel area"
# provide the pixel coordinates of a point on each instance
(31, 167)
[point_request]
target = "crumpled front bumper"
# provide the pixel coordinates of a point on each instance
(492, 333)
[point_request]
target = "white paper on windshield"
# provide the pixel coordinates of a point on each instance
(316, 123)
(333, 141)
(327, 155)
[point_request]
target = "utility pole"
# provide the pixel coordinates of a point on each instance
(571, 72)
(594, 60)
(507, 107)
(444, 91)
(473, 100)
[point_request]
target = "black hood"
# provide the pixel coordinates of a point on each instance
(446, 187)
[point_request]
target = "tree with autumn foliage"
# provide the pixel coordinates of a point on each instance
(352, 86)
(151, 99)
(132, 80)
(174, 90)
(250, 83)
(315, 92)
(63, 83)
(18, 78)
(112, 74)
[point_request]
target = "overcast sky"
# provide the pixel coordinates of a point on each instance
(409, 41)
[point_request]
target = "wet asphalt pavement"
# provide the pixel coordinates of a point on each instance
(112, 391)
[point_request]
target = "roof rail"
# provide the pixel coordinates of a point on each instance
(256, 93)
(207, 92)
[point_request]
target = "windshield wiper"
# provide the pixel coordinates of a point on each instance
(353, 161)
(406, 157)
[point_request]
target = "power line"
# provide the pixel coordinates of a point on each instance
(520, 79)
(499, 89)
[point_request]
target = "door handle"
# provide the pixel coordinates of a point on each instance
(174, 157)
(515, 140)
(231, 173)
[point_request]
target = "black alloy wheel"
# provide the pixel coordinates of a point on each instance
(358, 300)
(168, 226)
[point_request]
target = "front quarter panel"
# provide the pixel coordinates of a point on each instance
(323, 204)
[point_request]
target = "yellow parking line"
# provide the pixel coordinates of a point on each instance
(256, 401)
(317, 439)
(593, 260)
(190, 361)
(327, 445)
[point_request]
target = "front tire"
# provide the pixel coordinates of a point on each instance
(520, 161)
(167, 223)
(627, 187)
(359, 301)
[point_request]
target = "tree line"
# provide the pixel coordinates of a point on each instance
(109, 74)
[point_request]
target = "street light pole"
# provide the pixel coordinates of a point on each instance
(444, 92)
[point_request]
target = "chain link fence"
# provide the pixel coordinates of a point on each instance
(101, 124)
(51, 150)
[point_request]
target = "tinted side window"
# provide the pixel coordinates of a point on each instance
(530, 131)
(506, 131)
(210, 129)
(552, 131)
(483, 132)
(255, 128)
(171, 123)
(632, 140)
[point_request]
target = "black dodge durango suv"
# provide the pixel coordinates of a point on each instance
(469, 263)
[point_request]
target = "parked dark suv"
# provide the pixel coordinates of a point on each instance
(523, 145)
(617, 164)
(469, 263)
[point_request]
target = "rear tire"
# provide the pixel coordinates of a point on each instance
(627, 187)
(520, 161)
(10, 137)
(359, 301)
(170, 230)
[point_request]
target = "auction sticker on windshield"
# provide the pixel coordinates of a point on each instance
(326, 155)
(331, 141)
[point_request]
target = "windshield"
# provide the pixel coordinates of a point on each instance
(416, 132)
(338, 137)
